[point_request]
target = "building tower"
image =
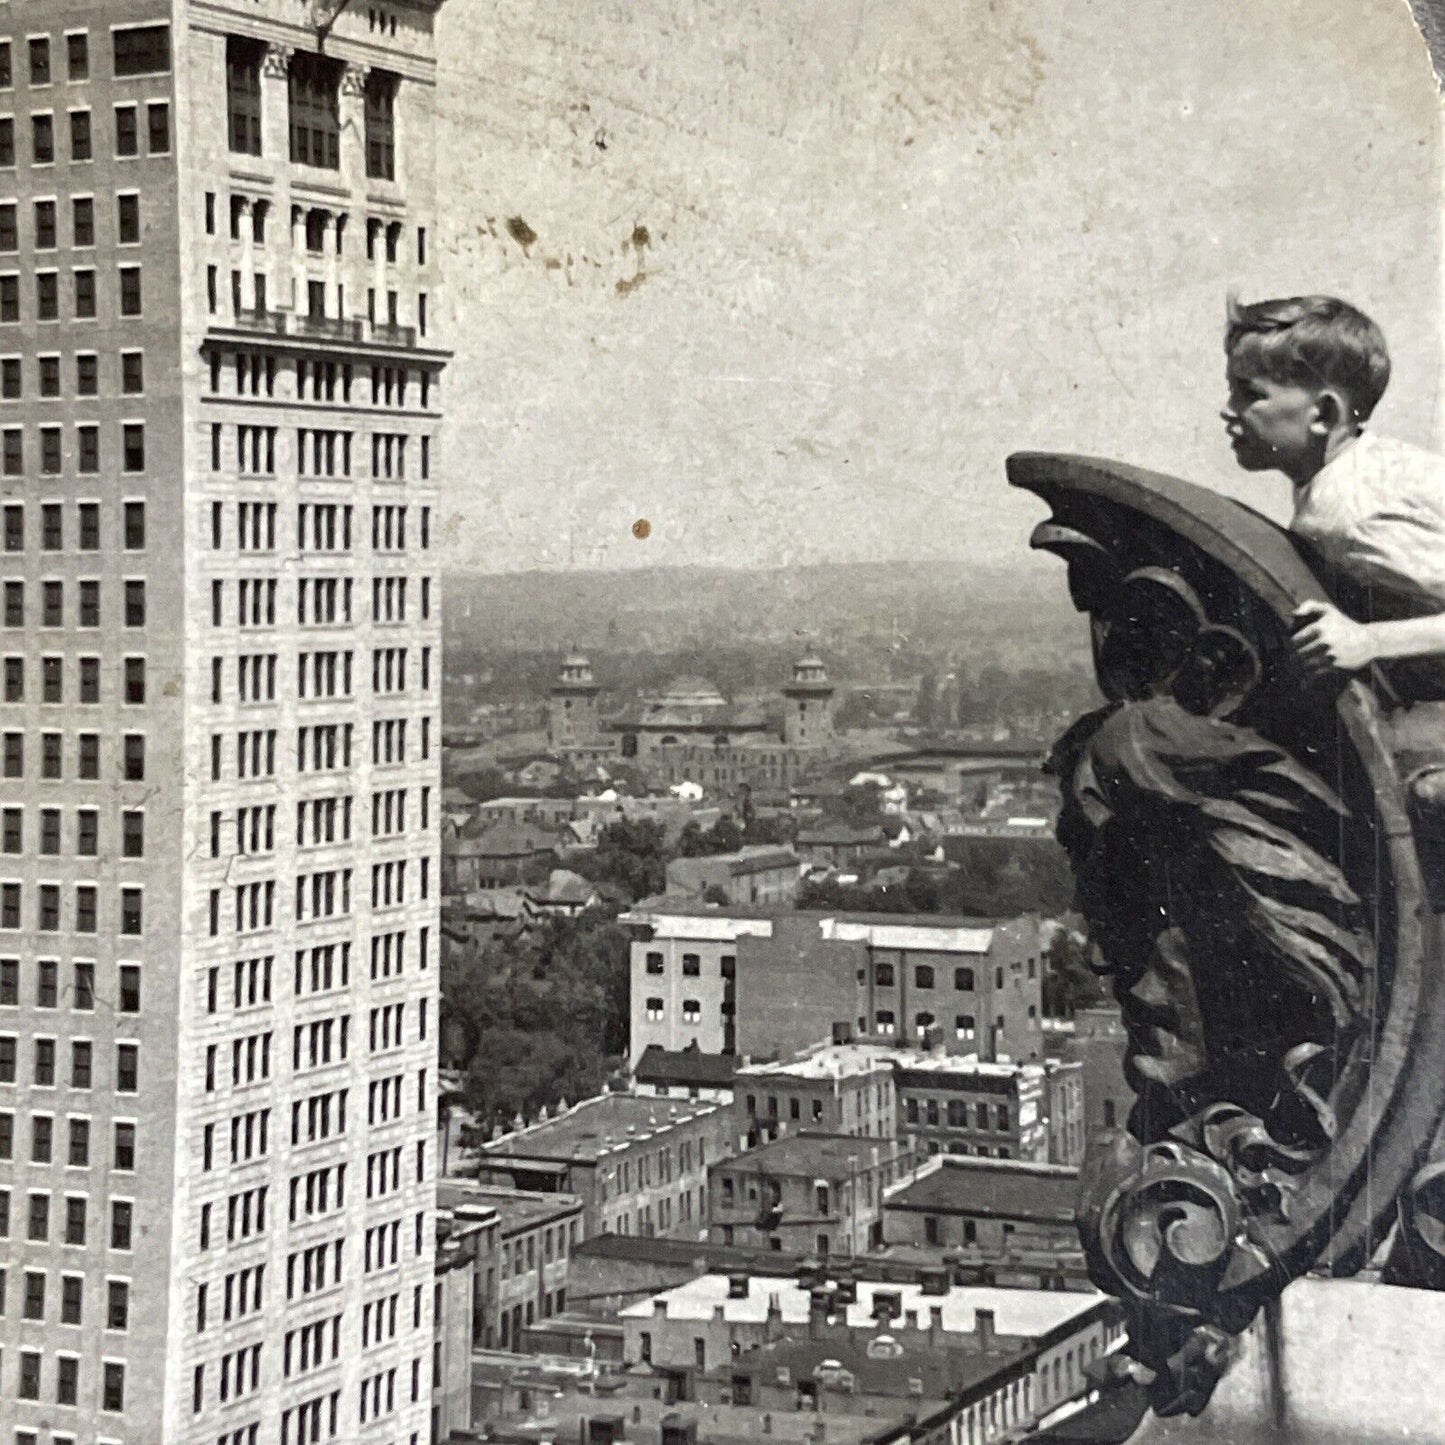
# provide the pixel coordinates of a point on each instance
(221, 668)
(808, 713)
(572, 705)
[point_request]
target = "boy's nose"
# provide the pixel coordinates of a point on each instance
(1228, 416)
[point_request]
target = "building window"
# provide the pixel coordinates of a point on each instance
(46, 229)
(380, 109)
(133, 447)
(243, 94)
(81, 145)
(88, 438)
(39, 60)
(963, 979)
(77, 55)
(135, 680)
(142, 50)
(42, 135)
(127, 207)
(130, 298)
(158, 126)
(883, 975)
(313, 94)
(112, 1396)
(127, 131)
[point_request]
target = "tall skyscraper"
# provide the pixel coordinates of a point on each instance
(219, 409)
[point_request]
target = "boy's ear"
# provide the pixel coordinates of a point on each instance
(1331, 409)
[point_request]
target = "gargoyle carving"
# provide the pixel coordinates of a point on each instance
(1243, 849)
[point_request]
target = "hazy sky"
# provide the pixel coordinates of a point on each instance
(796, 275)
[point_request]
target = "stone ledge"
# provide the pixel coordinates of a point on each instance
(1359, 1363)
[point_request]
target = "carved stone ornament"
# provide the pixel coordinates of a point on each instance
(1243, 848)
(277, 62)
(353, 79)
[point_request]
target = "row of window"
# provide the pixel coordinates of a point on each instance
(87, 756)
(314, 226)
(83, 294)
(87, 680)
(86, 835)
(320, 527)
(50, 383)
(885, 1022)
(321, 381)
(123, 996)
(73, 1226)
(66, 1384)
(924, 976)
(320, 748)
(313, 95)
(69, 1308)
(319, 296)
(692, 965)
(46, 230)
(318, 452)
(42, 1148)
(44, 1058)
(87, 530)
(134, 50)
(87, 598)
(86, 454)
(131, 122)
(927, 1112)
(84, 917)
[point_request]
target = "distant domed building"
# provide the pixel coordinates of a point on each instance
(690, 732)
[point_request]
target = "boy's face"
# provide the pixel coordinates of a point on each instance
(1272, 425)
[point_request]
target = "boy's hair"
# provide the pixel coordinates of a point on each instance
(1312, 341)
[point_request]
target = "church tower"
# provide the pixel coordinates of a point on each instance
(808, 714)
(572, 705)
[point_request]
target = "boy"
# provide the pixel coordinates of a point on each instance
(1304, 375)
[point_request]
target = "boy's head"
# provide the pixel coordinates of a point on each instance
(1304, 373)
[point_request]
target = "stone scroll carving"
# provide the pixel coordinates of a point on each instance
(1243, 850)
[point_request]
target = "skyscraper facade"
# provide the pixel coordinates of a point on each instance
(219, 731)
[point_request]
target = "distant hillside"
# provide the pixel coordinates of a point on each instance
(1020, 613)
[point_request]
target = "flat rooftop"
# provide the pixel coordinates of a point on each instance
(1018, 1313)
(827, 1156)
(997, 1188)
(594, 1126)
(515, 1209)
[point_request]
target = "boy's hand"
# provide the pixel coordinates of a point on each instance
(1328, 641)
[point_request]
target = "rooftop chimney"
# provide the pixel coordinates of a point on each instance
(737, 1286)
(983, 1328)
(887, 1305)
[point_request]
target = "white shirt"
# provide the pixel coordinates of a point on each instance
(1376, 514)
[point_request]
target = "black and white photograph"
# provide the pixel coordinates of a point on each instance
(722, 722)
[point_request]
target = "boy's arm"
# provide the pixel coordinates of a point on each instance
(1327, 640)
